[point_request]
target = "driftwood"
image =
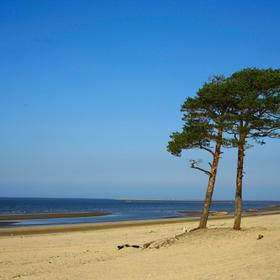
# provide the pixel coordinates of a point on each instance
(128, 245)
(260, 236)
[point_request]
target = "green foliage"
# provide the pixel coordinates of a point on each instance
(242, 106)
(257, 97)
(204, 116)
(195, 134)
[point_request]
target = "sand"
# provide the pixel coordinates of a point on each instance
(216, 253)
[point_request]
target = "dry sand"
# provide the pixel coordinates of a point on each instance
(216, 253)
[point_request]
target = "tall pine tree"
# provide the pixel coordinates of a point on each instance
(205, 119)
(257, 97)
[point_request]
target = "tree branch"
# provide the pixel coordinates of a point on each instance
(207, 149)
(194, 166)
(201, 169)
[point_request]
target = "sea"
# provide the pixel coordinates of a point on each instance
(119, 209)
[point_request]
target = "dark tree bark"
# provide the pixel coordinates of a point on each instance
(211, 182)
(238, 194)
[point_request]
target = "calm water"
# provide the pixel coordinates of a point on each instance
(122, 210)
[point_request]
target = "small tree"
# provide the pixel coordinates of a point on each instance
(205, 120)
(257, 95)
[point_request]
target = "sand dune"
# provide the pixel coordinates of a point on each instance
(216, 253)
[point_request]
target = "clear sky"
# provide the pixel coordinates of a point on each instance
(91, 90)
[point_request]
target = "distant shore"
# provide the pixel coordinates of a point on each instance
(45, 229)
(51, 216)
(247, 212)
(190, 213)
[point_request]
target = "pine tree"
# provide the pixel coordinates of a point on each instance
(204, 124)
(257, 116)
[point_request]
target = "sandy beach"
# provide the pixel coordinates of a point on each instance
(216, 253)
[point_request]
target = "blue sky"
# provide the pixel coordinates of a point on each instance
(91, 90)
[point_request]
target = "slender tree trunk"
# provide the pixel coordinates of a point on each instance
(238, 194)
(211, 182)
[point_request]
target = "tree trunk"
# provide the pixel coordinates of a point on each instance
(211, 182)
(238, 194)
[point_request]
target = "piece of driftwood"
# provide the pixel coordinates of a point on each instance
(260, 236)
(128, 245)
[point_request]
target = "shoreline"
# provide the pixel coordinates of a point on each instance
(48, 229)
(52, 215)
